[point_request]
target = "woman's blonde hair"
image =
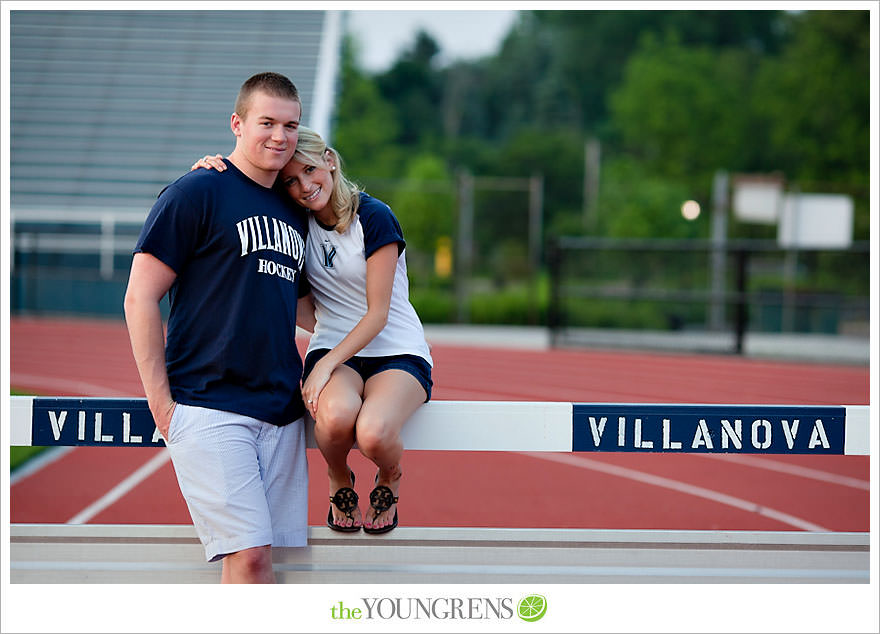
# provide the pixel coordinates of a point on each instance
(345, 197)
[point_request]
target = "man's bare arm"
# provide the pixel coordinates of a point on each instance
(148, 282)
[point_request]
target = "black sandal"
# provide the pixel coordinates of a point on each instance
(346, 500)
(381, 499)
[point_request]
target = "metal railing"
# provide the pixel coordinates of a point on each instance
(41, 231)
(670, 284)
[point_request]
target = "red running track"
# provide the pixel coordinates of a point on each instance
(492, 489)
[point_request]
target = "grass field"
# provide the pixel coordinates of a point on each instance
(19, 455)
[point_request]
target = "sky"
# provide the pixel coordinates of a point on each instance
(461, 34)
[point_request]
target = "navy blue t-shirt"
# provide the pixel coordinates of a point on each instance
(238, 250)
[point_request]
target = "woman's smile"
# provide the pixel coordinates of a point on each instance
(314, 195)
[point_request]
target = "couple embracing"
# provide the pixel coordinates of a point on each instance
(247, 247)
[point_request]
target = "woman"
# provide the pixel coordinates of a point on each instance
(368, 367)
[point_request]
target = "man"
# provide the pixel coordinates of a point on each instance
(224, 390)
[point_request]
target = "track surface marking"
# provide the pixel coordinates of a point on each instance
(493, 489)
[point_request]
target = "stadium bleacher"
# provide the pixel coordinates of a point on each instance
(108, 107)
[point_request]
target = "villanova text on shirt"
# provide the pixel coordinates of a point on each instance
(261, 233)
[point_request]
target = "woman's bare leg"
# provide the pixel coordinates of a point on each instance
(338, 407)
(390, 398)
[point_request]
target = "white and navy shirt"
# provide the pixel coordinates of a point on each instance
(337, 274)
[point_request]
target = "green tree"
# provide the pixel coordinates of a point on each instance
(554, 153)
(414, 88)
(684, 110)
(425, 203)
(366, 124)
(814, 102)
(639, 203)
(558, 67)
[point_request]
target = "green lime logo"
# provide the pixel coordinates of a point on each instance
(532, 608)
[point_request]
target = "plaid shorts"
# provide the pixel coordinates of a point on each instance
(245, 481)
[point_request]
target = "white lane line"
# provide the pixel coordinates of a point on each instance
(48, 383)
(41, 460)
(682, 487)
(20, 379)
(142, 473)
(791, 469)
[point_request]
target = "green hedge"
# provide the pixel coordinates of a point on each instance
(520, 303)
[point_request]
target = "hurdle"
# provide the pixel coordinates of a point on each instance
(60, 553)
(504, 426)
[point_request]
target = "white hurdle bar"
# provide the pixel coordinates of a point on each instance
(62, 553)
(506, 426)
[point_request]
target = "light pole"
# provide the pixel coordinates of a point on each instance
(719, 250)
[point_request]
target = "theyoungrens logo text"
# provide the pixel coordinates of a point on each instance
(434, 608)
